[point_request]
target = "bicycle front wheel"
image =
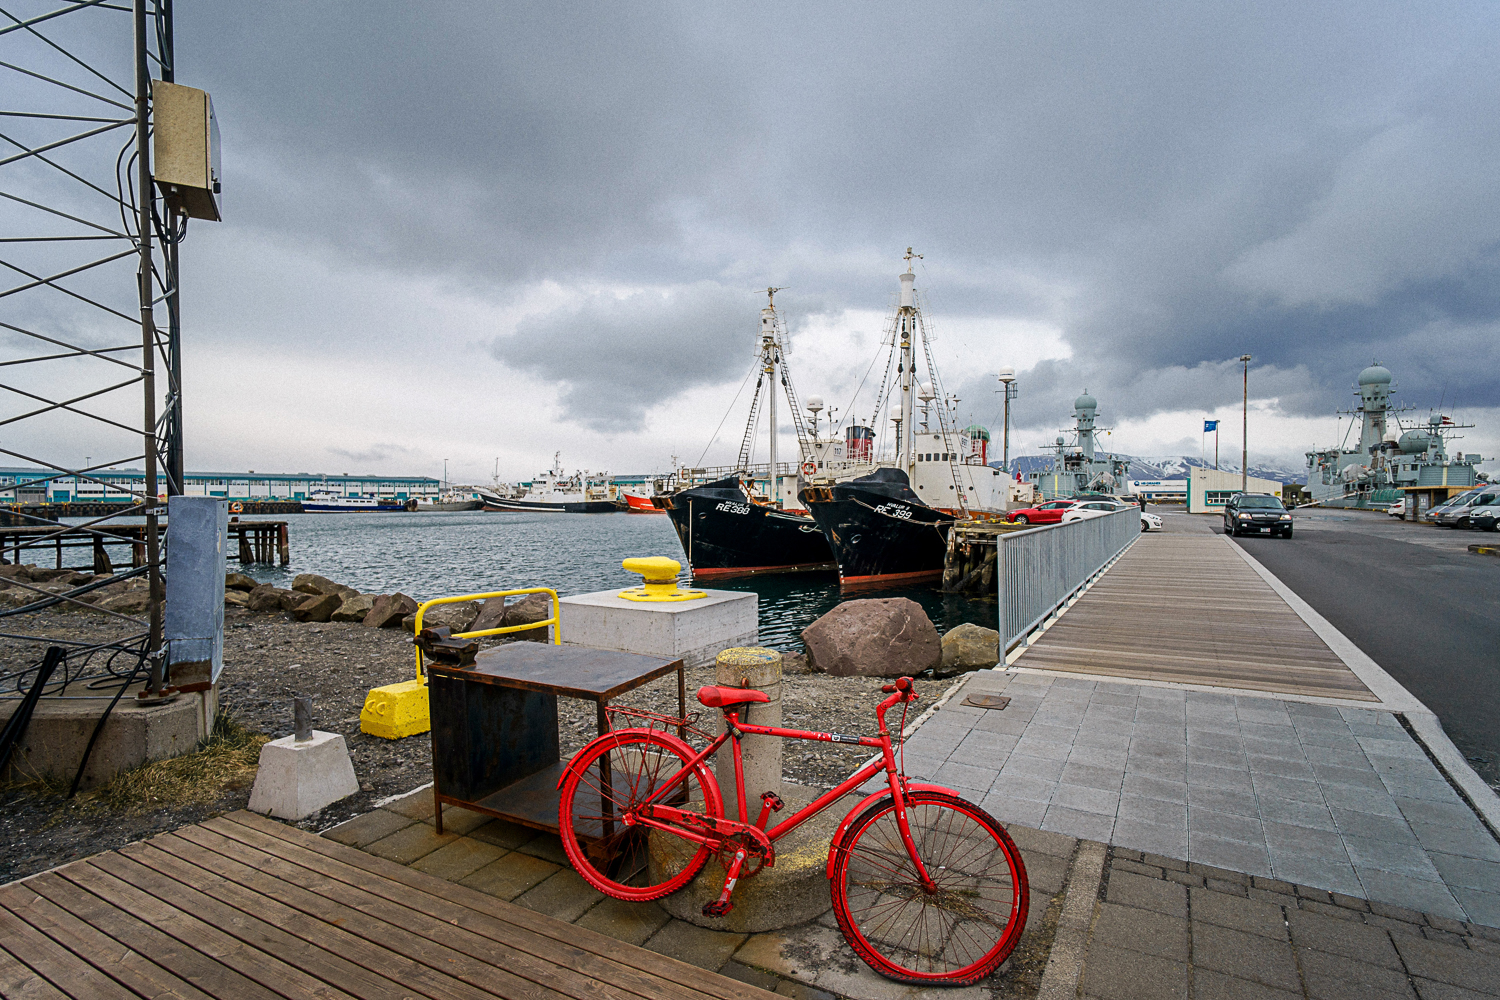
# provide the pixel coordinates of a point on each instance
(610, 778)
(956, 934)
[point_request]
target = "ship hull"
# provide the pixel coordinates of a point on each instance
(881, 534)
(637, 504)
(724, 535)
(451, 505)
(312, 507)
(524, 506)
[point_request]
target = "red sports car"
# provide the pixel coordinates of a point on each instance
(1050, 512)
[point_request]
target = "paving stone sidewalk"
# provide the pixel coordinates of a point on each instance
(1165, 928)
(811, 962)
(1337, 798)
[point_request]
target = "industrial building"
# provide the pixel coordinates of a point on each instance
(34, 486)
(1208, 489)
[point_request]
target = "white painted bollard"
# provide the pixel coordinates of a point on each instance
(758, 668)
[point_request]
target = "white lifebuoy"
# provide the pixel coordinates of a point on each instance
(236, 507)
(808, 468)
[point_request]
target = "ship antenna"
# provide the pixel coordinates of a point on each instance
(909, 256)
(771, 295)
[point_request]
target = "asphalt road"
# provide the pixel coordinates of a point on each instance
(1416, 601)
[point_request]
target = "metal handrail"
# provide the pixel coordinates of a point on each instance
(1041, 569)
(556, 618)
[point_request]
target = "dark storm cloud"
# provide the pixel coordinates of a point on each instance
(619, 355)
(1170, 185)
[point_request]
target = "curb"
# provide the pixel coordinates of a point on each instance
(1065, 963)
(1485, 550)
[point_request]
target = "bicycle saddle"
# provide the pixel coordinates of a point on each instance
(718, 697)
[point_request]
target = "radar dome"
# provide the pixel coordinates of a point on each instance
(815, 403)
(1413, 442)
(1059, 440)
(1375, 375)
(1085, 402)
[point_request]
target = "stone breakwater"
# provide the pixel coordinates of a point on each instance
(314, 598)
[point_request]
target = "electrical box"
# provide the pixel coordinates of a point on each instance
(186, 149)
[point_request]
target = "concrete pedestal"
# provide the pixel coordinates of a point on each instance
(134, 734)
(760, 756)
(793, 892)
(297, 779)
(693, 631)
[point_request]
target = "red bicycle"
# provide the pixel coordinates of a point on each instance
(927, 888)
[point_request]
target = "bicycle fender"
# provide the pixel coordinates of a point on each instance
(858, 810)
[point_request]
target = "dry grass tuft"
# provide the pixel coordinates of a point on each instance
(225, 759)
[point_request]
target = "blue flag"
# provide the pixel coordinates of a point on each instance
(1210, 425)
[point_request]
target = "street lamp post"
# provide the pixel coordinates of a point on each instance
(1245, 428)
(1008, 386)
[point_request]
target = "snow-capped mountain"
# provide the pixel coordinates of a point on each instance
(1170, 467)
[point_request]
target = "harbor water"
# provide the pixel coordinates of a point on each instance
(435, 554)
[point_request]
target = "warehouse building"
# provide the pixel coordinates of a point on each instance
(1209, 489)
(34, 486)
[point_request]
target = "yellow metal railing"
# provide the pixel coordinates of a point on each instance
(555, 620)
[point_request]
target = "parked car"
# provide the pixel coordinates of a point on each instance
(1486, 517)
(1050, 512)
(1256, 512)
(1397, 509)
(1453, 501)
(1096, 508)
(1456, 512)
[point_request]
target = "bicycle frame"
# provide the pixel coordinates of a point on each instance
(718, 830)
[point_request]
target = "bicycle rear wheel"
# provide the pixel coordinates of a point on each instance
(611, 856)
(959, 933)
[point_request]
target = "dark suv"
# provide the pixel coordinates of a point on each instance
(1254, 513)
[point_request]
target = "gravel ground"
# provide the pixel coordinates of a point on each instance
(268, 660)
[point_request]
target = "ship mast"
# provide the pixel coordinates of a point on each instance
(769, 356)
(906, 316)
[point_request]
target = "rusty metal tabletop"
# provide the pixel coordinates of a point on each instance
(574, 671)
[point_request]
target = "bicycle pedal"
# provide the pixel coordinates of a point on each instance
(717, 908)
(773, 800)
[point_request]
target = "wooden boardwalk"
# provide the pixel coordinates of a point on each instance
(243, 907)
(1184, 607)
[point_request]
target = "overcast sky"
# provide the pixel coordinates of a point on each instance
(488, 232)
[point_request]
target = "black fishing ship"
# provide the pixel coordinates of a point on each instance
(881, 532)
(725, 534)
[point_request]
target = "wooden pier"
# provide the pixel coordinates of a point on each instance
(972, 552)
(244, 908)
(1185, 608)
(258, 542)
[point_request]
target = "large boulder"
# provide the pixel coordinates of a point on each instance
(456, 617)
(312, 583)
(389, 610)
(9, 572)
(289, 599)
(317, 607)
(236, 598)
(132, 601)
(239, 581)
(354, 608)
(529, 610)
(969, 647)
(881, 637)
(266, 597)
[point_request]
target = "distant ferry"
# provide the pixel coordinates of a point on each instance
(329, 502)
(552, 493)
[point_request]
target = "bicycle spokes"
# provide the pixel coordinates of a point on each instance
(959, 928)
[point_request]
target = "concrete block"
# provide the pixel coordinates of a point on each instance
(693, 631)
(297, 779)
(60, 728)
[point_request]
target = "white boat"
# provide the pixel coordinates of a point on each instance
(462, 498)
(330, 502)
(554, 493)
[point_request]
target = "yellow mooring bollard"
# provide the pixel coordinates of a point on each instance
(399, 710)
(660, 580)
